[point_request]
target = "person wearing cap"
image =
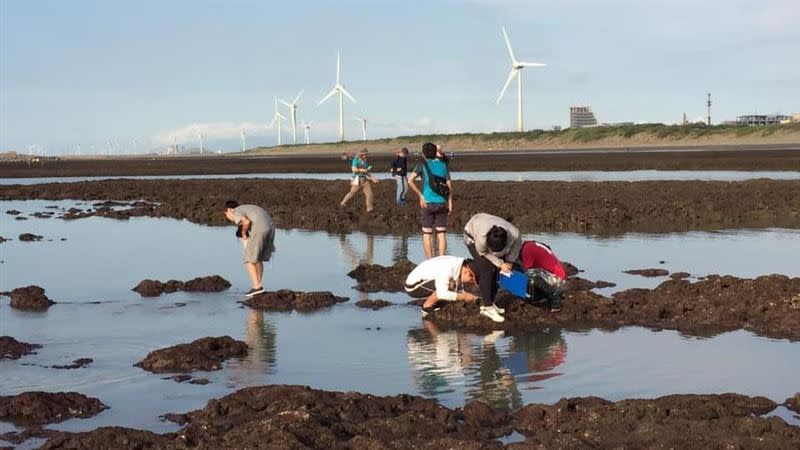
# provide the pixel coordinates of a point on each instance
(399, 172)
(361, 179)
(495, 244)
(442, 278)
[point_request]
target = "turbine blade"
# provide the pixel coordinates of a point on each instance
(287, 104)
(508, 81)
(298, 96)
(337, 67)
(344, 91)
(357, 118)
(271, 124)
(280, 115)
(330, 94)
(530, 64)
(508, 43)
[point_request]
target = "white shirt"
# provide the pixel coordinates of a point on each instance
(441, 269)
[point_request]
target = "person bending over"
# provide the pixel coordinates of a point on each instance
(545, 271)
(495, 245)
(257, 233)
(435, 199)
(441, 278)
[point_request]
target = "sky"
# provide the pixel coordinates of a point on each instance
(88, 75)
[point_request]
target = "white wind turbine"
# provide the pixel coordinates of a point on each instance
(293, 110)
(200, 139)
(339, 89)
(277, 118)
(306, 129)
(242, 138)
(363, 127)
(516, 69)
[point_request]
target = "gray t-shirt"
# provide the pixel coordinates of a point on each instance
(260, 218)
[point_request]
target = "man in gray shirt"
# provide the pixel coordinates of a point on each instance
(257, 232)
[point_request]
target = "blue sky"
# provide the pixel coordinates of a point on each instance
(89, 72)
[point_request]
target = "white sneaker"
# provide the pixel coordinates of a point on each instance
(499, 309)
(492, 313)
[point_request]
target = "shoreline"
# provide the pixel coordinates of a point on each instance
(742, 158)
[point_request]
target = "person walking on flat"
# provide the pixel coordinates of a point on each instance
(435, 199)
(361, 179)
(399, 172)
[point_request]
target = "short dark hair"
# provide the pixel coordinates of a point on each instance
(496, 238)
(404, 151)
(429, 150)
(231, 204)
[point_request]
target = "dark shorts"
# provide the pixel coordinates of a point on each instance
(433, 216)
(422, 289)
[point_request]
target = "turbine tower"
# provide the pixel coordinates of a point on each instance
(516, 70)
(340, 90)
(293, 110)
(242, 139)
(277, 118)
(363, 127)
(306, 128)
(200, 138)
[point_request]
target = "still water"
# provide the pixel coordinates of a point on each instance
(588, 175)
(389, 351)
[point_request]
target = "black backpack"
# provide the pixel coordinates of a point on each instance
(438, 184)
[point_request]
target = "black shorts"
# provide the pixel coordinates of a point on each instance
(434, 216)
(422, 289)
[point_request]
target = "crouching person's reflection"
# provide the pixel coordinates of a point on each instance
(438, 359)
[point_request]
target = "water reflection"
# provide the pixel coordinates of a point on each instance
(494, 368)
(400, 248)
(261, 335)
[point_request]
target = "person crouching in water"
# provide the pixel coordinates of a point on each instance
(545, 271)
(361, 179)
(257, 232)
(441, 278)
(495, 244)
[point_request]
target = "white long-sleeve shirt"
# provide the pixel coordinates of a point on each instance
(441, 269)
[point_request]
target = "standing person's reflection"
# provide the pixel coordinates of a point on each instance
(400, 248)
(437, 358)
(351, 254)
(261, 336)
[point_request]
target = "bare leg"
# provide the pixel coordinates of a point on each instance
(431, 300)
(368, 195)
(252, 272)
(427, 245)
(441, 237)
(260, 272)
(350, 194)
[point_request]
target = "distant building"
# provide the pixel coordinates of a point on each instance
(761, 119)
(556, 127)
(581, 116)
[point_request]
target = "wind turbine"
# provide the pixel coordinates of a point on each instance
(242, 138)
(306, 128)
(339, 89)
(199, 138)
(363, 127)
(516, 70)
(293, 109)
(277, 118)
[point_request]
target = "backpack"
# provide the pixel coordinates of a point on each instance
(438, 184)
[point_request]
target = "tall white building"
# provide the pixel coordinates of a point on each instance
(581, 116)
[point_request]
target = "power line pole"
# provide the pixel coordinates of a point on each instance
(709, 109)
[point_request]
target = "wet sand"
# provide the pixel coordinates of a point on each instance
(748, 158)
(583, 207)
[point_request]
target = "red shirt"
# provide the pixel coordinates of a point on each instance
(535, 255)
